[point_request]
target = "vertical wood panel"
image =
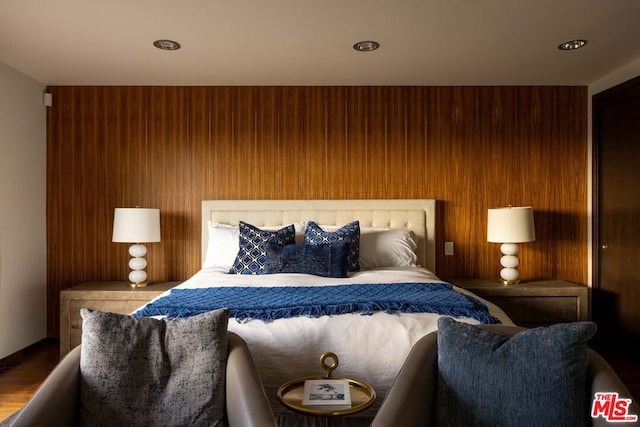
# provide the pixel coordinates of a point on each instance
(471, 148)
(292, 183)
(356, 175)
(245, 143)
(340, 155)
(377, 143)
(400, 174)
(221, 152)
(315, 163)
(417, 184)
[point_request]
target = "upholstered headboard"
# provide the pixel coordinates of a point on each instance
(417, 215)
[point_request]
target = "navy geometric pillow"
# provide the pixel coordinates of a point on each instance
(350, 233)
(252, 256)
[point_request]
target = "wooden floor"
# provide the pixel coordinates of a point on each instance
(18, 383)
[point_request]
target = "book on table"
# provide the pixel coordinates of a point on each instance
(326, 394)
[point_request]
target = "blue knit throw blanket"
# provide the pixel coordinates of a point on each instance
(270, 303)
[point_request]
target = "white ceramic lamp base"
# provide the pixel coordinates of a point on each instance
(509, 261)
(137, 264)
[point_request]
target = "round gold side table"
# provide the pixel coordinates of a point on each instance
(362, 394)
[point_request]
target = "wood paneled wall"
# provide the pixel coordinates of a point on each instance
(471, 148)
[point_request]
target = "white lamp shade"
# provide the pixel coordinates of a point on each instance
(510, 225)
(136, 225)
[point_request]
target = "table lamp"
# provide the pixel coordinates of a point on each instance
(137, 226)
(510, 226)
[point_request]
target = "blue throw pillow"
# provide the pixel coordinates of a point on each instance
(253, 242)
(350, 233)
(320, 260)
(534, 378)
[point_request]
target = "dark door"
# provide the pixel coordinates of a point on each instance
(616, 293)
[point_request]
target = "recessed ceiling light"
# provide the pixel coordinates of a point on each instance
(366, 46)
(166, 44)
(572, 45)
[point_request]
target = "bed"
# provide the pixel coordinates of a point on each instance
(397, 253)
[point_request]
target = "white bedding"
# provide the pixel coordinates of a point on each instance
(371, 348)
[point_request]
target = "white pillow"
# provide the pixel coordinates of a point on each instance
(224, 243)
(387, 248)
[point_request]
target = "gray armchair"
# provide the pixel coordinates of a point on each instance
(411, 399)
(57, 398)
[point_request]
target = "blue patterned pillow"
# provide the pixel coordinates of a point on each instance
(253, 242)
(350, 233)
(536, 377)
(320, 260)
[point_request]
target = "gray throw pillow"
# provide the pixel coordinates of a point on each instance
(153, 372)
(534, 378)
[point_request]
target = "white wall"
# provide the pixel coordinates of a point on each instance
(23, 294)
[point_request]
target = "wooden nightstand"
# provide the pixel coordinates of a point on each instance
(115, 297)
(533, 303)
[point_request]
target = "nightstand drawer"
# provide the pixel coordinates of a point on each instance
(527, 311)
(112, 306)
(114, 297)
(533, 303)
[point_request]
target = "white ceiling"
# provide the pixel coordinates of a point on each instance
(302, 42)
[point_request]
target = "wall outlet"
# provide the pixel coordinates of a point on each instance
(448, 248)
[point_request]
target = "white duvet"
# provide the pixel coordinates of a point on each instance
(371, 348)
